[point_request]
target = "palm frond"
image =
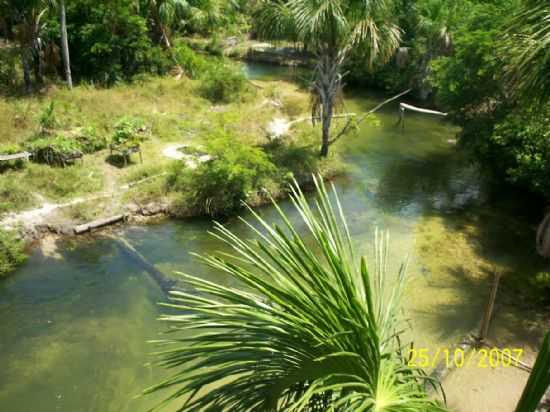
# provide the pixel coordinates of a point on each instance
(529, 50)
(310, 328)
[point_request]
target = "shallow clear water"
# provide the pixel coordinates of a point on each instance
(75, 320)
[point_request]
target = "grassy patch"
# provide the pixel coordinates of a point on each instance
(173, 111)
(12, 252)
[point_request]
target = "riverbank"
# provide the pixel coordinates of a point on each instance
(40, 199)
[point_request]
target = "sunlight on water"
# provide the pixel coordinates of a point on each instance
(75, 323)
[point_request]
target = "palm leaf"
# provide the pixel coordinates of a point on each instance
(309, 328)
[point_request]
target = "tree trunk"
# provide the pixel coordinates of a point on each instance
(25, 60)
(162, 33)
(327, 84)
(65, 44)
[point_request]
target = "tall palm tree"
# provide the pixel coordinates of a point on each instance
(164, 14)
(331, 29)
(529, 51)
(309, 329)
(65, 44)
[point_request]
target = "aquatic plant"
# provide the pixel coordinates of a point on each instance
(310, 327)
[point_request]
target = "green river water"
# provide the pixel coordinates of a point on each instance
(75, 319)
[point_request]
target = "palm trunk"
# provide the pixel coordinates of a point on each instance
(327, 84)
(25, 60)
(65, 44)
(162, 33)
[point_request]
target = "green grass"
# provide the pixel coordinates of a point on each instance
(173, 110)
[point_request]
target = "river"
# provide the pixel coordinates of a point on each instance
(76, 317)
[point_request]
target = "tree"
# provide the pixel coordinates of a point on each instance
(65, 44)
(28, 15)
(309, 328)
(529, 50)
(164, 14)
(331, 29)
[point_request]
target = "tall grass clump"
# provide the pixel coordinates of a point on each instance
(310, 327)
(12, 252)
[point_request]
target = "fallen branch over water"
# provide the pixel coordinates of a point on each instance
(346, 128)
(405, 106)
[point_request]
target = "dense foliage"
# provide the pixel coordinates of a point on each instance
(235, 173)
(504, 125)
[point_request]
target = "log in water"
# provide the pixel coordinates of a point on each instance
(166, 284)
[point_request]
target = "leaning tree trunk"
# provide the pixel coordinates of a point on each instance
(328, 81)
(65, 44)
(543, 237)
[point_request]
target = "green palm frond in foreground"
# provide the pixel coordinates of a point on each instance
(311, 329)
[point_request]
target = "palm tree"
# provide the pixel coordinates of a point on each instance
(164, 14)
(309, 329)
(65, 44)
(331, 29)
(539, 380)
(529, 51)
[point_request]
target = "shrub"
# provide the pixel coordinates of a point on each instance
(11, 252)
(192, 63)
(223, 83)
(129, 132)
(54, 150)
(520, 145)
(9, 61)
(89, 139)
(47, 119)
(217, 187)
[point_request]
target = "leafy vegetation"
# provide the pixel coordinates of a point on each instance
(223, 83)
(331, 30)
(11, 252)
(324, 325)
(235, 173)
(129, 132)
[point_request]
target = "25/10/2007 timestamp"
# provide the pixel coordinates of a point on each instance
(481, 358)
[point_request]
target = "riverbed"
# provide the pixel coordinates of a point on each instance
(77, 316)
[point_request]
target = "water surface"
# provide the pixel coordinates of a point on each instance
(75, 321)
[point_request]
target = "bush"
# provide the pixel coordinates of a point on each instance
(218, 187)
(129, 132)
(11, 252)
(54, 150)
(223, 83)
(520, 145)
(9, 74)
(109, 41)
(192, 63)
(47, 118)
(89, 139)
